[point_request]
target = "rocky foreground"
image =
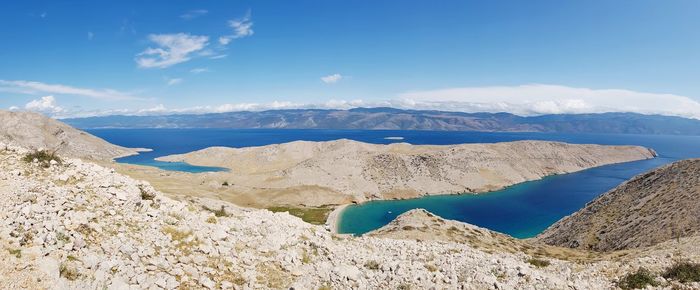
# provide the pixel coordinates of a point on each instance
(77, 225)
(344, 171)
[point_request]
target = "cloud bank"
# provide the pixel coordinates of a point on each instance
(524, 100)
(46, 105)
(539, 99)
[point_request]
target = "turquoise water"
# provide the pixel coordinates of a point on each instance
(522, 210)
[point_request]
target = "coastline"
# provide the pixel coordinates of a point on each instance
(134, 151)
(334, 218)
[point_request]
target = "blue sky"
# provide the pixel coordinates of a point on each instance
(71, 58)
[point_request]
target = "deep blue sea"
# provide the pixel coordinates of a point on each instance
(522, 210)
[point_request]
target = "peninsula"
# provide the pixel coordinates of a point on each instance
(345, 171)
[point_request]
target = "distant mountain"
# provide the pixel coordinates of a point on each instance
(397, 119)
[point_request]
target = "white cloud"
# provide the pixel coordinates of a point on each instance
(331, 79)
(32, 87)
(242, 27)
(173, 81)
(90, 35)
(173, 49)
(199, 70)
(192, 14)
(45, 105)
(224, 40)
(220, 56)
(538, 99)
(13, 108)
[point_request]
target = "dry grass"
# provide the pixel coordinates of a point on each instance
(312, 215)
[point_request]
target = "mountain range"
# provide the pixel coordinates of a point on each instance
(398, 119)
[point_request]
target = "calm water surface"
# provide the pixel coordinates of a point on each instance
(523, 210)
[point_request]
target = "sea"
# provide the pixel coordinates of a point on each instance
(522, 210)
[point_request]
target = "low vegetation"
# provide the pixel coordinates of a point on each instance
(68, 271)
(146, 195)
(539, 263)
(312, 215)
(372, 265)
(43, 157)
(637, 280)
(683, 272)
(15, 252)
(221, 212)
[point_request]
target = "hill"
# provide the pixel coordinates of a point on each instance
(35, 131)
(650, 208)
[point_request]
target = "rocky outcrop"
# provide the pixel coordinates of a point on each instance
(421, 225)
(651, 208)
(344, 170)
(35, 131)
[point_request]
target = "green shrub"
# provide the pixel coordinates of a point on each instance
(44, 157)
(372, 265)
(637, 280)
(683, 272)
(225, 183)
(68, 271)
(220, 212)
(146, 195)
(15, 252)
(539, 263)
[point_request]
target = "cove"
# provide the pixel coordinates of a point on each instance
(522, 210)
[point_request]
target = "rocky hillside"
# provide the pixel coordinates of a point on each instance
(421, 225)
(77, 225)
(35, 131)
(81, 226)
(653, 207)
(358, 171)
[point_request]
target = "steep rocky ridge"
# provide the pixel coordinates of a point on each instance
(35, 131)
(650, 208)
(344, 170)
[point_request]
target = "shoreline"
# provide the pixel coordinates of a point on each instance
(334, 218)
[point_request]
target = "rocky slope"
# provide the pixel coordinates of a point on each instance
(77, 225)
(342, 171)
(648, 209)
(419, 224)
(35, 131)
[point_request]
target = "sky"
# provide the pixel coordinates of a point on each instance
(85, 58)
